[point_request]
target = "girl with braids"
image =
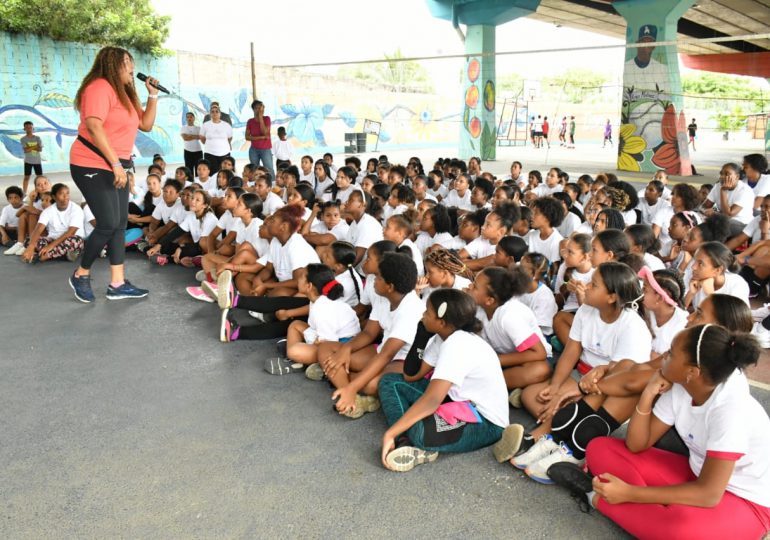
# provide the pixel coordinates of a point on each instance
(330, 318)
(663, 294)
(722, 489)
(443, 270)
(110, 115)
(340, 256)
(606, 331)
(462, 407)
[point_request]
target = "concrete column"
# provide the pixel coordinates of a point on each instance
(653, 133)
(478, 131)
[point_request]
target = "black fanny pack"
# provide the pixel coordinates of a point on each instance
(125, 163)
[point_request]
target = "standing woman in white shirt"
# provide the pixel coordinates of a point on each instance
(722, 490)
(193, 152)
(462, 408)
(216, 136)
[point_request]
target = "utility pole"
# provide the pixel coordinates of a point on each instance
(253, 74)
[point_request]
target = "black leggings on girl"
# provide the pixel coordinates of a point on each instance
(265, 304)
(578, 424)
(110, 208)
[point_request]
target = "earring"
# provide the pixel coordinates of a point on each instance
(687, 380)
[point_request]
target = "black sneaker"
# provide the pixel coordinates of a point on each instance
(125, 291)
(81, 286)
(575, 480)
(527, 442)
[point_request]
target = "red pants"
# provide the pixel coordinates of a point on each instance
(734, 518)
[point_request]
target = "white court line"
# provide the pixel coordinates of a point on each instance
(763, 386)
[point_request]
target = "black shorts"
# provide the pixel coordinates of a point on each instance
(29, 166)
(538, 133)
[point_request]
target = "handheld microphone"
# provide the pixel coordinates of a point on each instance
(142, 77)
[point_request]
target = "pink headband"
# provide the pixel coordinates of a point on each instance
(646, 273)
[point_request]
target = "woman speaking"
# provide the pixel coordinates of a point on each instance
(110, 114)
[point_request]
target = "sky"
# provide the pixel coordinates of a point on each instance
(340, 30)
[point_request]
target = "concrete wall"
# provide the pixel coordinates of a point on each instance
(39, 78)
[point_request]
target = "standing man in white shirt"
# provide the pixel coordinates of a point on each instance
(193, 152)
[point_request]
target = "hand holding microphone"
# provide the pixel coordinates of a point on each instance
(150, 82)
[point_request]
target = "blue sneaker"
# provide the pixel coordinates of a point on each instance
(81, 286)
(125, 291)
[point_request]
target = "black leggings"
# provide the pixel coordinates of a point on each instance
(191, 160)
(110, 208)
(264, 304)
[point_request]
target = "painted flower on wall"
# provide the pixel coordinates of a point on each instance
(305, 121)
(668, 154)
(630, 148)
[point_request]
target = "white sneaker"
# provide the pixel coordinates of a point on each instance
(762, 334)
(16, 249)
(761, 313)
(538, 471)
(543, 447)
(200, 275)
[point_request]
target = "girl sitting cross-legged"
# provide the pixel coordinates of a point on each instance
(461, 407)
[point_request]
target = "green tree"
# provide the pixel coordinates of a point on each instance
(403, 76)
(126, 23)
(510, 82)
(712, 91)
(576, 83)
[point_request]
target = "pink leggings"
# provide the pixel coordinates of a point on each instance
(733, 517)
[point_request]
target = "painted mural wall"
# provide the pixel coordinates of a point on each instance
(39, 78)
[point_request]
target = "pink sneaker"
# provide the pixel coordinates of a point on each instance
(199, 294)
(210, 290)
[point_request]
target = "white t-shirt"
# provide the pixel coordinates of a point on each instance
(752, 230)
(548, 247)
(461, 283)
(88, 216)
(199, 227)
(165, 213)
(662, 219)
(652, 262)
(194, 145)
(734, 285)
(571, 303)
(138, 197)
(283, 150)
(400, 323)
(742, 195)
(543, 305)
(513, 328)
(369, 297)
(543, 190)
(762, 187)
(217, 136)
(340, 230)
(364, 233)
(295, 253)
(343, 194)
(331, 320)
(250, 234)
(649, 212)
(424, 241)
(439, 192)
(8, 217)
(461, 203)
(662, 336)
(227, 221)
(569, 225)
(730, 425)
(271, 203)
(353, 286)
(59, 221)
(625, 339)
(321, 186)
(416, 256)
(480, 248)
(470, 364)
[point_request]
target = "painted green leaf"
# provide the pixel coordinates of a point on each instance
(54, 100)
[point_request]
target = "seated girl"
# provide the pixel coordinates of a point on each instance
(330, 319)
(537, 296)
(435, 228)
(30, 213)
(643, 243)
(571, 281)
(713, 271)
(355, 367)
(141, 203)
(340, 257)
(370, 267)
(443, 270)
(481, 252)
(63, 222)
(325, 224)
(364, 229)
(606, 331)
(509, 251)
(399, 229)
(199, 223)
(222, 238)
(462, 407)
(722, 490)
(275, 286)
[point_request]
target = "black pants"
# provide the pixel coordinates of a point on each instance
(279, 162)
(264, 304)
(110, 208)
(215, 162)
(191, 160)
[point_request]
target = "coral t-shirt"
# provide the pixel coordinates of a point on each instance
(255, 131)
(100, 100)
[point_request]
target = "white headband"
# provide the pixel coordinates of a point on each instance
(700, 339)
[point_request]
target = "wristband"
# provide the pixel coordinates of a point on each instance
(118, 164)
(642, 413)
(152, 96)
